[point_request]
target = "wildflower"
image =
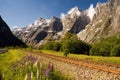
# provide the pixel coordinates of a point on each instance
(48, 70)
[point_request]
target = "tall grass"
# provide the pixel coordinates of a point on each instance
(17, 65)
(113, 60)
(6, 59)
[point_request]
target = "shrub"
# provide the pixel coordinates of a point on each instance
(115, 51)
(68, 44)
(50, 45)
(80, 47)
(107, 47)
(71, 44)
(100, 49)
(66, 47)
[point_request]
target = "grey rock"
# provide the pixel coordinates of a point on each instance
(105, 23)
(40, 32)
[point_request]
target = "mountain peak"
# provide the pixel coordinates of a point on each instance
(74, 12)
(90, 12)
(40, 21)
(53, 17)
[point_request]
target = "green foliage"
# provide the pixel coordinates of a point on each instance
(14, 65)
(6, 60)
(68, 44)
(107, 47)
(71, 44)
(112, 60)
(115, 51)
(50, 45)
(100, 49)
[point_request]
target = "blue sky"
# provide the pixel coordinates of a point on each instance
(23, 12)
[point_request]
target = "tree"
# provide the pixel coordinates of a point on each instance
(71, 44)
(115, 51)
(100, 49)
(107, 47)
(51, 45)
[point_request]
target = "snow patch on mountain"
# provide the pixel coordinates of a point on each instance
(90, 12)
(74, 12)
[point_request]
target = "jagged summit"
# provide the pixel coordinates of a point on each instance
(75, 12)
(43, 29)
(40, 31)
(90, 12)
(105, 23)
(90, 25)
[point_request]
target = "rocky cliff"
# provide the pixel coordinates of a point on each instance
(74, 21)
(6, 36)
(43, 30)
(105, 23)
(40, 31)
(91, 25)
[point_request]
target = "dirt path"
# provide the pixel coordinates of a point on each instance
(81, 69)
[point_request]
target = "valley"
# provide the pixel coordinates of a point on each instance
(78, 45)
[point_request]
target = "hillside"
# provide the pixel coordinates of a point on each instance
(7, 38)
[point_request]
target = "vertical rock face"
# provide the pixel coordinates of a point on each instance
(106, 22)
(74, 21)
(40, 31)
(6, 36)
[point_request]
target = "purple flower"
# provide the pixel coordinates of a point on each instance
(48, 70)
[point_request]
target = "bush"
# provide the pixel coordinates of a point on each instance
(115, 51)
(71, 44)
(68, 44)
(50, 45)
(106, 47)
(80, 47)
(100, 49)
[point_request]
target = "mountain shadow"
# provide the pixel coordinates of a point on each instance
(7, 39)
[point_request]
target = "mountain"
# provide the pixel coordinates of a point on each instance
(74, 21)
(105, 23)
(6, 36)
(91, 25)
(40, 31)
(43, 30)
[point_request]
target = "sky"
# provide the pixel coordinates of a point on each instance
(19, 13)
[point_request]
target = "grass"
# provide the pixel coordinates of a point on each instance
(50, 52)
(112, 60)
(6, 59)
(17, 65)
(10, 57)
